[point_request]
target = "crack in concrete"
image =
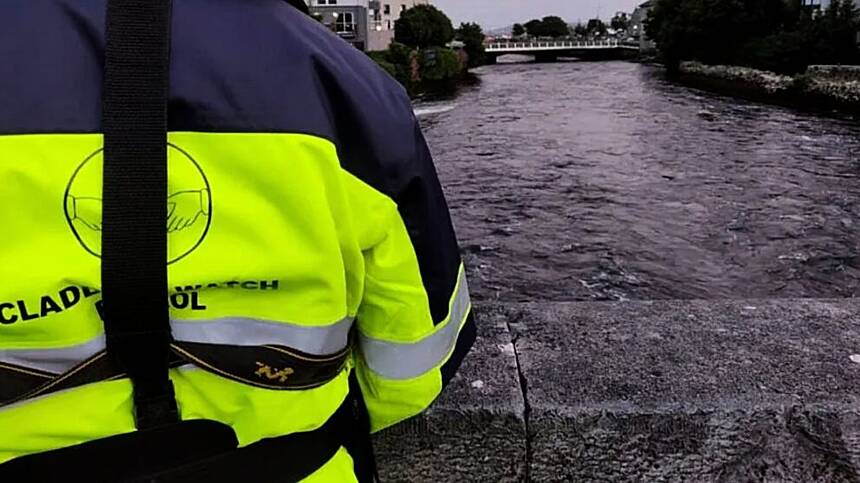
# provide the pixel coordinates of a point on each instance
(524, 391)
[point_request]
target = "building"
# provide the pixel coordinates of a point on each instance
(383, 14)
(823, 4)
(347, 18)
(367, 24)
(637, 27)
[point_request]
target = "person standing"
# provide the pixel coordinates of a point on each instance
(313, 290)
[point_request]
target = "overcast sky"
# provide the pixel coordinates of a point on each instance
(500, 13)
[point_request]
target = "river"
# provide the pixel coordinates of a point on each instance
(604, 181)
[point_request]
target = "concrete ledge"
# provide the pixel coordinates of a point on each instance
(476, 431)
(647, 391)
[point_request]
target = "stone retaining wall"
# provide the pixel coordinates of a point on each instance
(646, 391)
(836, 72)
(821, 87)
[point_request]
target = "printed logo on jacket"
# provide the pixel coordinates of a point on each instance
(189, 204)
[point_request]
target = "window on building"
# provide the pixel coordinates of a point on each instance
(402, 8)
(388, 24)
(344, 23)
(326, 2)
(386, 9)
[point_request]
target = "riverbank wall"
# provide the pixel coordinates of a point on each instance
(820, 88)
(718, 391)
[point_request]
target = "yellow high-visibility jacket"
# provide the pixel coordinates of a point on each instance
(303, 207)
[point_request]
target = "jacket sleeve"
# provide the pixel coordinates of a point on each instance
(414, 324)
(414, 321)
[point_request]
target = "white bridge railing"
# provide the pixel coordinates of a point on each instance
(547, 45)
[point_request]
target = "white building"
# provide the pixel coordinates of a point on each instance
(381, 17)
(637, 26)
(347, 19)
(823, 3)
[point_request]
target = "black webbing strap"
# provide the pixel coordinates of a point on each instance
(189, 452)
(134, 237)
(358, 442)
(286, 459)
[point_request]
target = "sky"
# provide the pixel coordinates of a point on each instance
(493, 14)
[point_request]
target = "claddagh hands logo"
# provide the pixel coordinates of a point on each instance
(189, 203)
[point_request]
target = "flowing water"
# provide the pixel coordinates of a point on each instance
(605, 181)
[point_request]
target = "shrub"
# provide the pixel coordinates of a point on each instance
(439, 65)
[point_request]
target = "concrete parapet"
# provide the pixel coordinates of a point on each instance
(646, 391)
(476, 431)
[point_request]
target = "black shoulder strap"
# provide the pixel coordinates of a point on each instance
(134, 237)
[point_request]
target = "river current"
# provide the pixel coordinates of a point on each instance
(605, 181)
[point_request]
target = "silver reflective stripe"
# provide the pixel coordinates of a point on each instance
(401, 361)
(57, 361)
(319, 341)
(241, 331)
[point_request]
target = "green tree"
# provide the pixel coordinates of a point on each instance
(580, 30)
(712, 31)
(398, 61)
(534, 28)
(778, 35)
(550, 26)
(841, 24)
(472, 35)
(381, 58)
(518, 30)
(553, 26)
(423, 26)
(440, 66)
(620, 22)
(596, 27)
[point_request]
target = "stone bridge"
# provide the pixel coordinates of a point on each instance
(551, 50)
